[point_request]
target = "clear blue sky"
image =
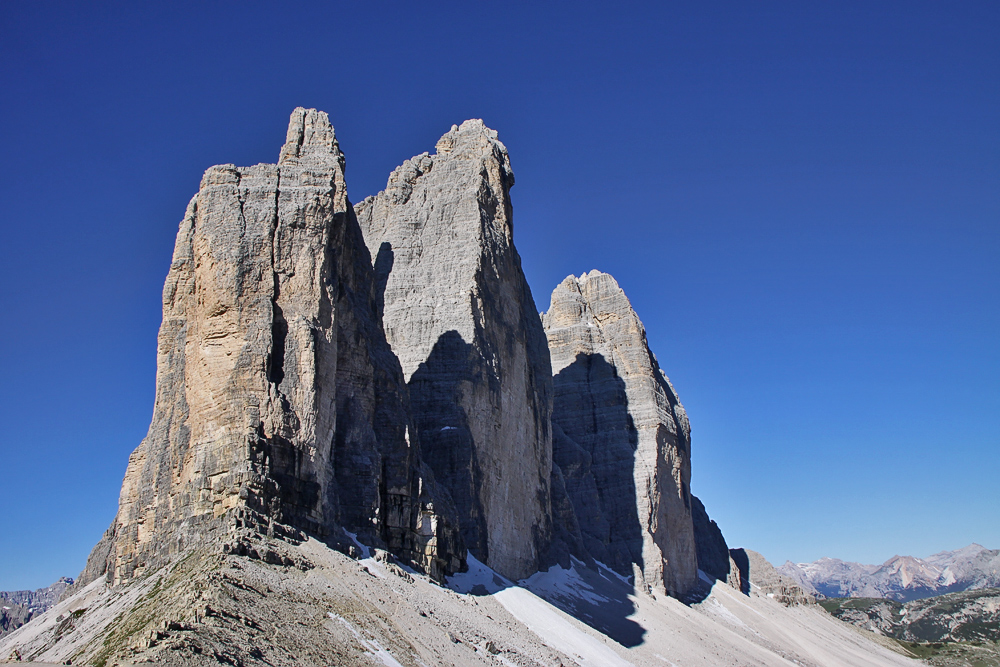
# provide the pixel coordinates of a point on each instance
(802, 200)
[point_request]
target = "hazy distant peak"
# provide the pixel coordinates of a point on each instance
(901, 577)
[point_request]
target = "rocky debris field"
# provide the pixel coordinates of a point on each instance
(284, 604)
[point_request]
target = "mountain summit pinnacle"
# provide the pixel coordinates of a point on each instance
(358, 450)
(280, 409)
(459, 314)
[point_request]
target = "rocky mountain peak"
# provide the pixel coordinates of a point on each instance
(472, 138)
(621, 439)
(946, 558)
(773, 583)
(348, 397)
(310, 139)
(590, 302)
(459, 314)
(901, 577)
(280, 408)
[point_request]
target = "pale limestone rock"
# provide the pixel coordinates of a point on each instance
(767, 581)
(279, 405)
(280, 408)
(622, 438)
(19, 607)
(739, 570)
(460, 316)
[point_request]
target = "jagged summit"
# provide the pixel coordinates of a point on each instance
(474, 136)
(351, 456)
(377, 379)
(280, 409)
(310, 139)
(901, 577)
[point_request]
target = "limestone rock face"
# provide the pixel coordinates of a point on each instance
(622, 439)
(739, 570)
(771, 583)
(459, 314)
(13, 616)
(279, 404)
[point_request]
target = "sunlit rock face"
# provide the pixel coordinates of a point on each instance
(280, 407)
(459, 314)
(622, 439)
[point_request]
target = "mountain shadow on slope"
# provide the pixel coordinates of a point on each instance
(591, 593)
(594, 441)
(600, 599)
(710, 545)
(446, 442)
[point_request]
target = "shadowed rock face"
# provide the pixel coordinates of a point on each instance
(279, 403)
(622, 439)
(713, 552)
(460, 316)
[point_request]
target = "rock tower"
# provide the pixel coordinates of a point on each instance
(280, 408)
(621, 437)
(459, 314)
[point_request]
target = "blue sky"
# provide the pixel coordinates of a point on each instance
(802, 201)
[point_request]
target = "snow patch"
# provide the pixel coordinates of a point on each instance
(366, 552)
(372, 647)
(538, 615)
(478, 579)
(367, 559)
(605, 570)
(543, 619)
(558, 582)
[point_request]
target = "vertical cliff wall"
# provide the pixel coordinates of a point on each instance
(383, 370)
(279, 403)
(622, 440)
(460, 316)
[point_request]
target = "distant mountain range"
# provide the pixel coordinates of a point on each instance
(19, 607)
(900, 578)
(965, 616)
